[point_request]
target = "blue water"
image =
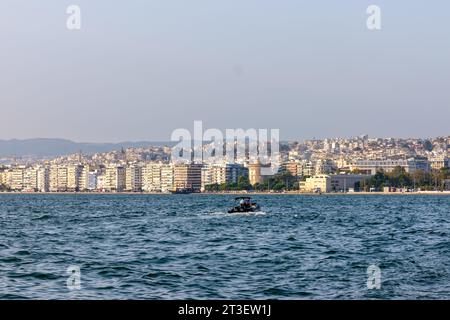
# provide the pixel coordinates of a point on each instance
(187, 246)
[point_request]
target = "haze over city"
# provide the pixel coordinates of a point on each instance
(138, 71)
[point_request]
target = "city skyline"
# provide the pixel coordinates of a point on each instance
(328, 165)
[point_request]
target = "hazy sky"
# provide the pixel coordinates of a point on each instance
(137, 70)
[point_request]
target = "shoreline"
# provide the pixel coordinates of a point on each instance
(444, 193)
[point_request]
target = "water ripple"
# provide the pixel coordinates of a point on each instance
(188, 246)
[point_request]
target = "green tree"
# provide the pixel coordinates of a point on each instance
(243, 183)
(378, 181)
(399, 178)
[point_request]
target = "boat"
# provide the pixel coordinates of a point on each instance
(182, 191)
(244, 204)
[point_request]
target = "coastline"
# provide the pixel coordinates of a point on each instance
(236, 193)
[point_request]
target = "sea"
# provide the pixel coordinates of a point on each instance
(126, 246)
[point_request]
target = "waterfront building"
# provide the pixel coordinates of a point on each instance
(62, 178)
(84, 178)
(222, 173)
(53, 177)
(101, 182)
(114, 178)
(88, 178)
(167, 177)
(31, 179)
(151, 180)
(320, 183)
(2, 177)
(227, 173)
(74, 178)
(133, 178)
(206, 177)
(58, 178)
(7, 177)
(43, 179)
(17, 175)
(188, 176)
(334, 183)
(92, 180)
(345, 182)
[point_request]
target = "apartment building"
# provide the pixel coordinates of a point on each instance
(92, 180)
(188, 176)
(438, 163)
(133, 178)
(292, 167)
(206, 176)
(114, 178)
(324, 166)
(2, 177)
(31, 179)
(334, 182)
(222, 173)
(58, 178)
(151, 180)
(84, 178)
(306, 168)
(74, 178)
(320, 183)
(62, 178)
(53, 177)
(16, 178)
(167, 177)
(43, 179)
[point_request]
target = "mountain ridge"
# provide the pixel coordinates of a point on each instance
(51, 147)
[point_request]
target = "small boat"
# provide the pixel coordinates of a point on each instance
(182, 191)
(244, 204)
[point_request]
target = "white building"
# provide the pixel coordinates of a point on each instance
(43, 179)
(115, 178)
(334, 182)
(387, 165)
(133, 178)
(151, 180)
(222, 173)
(167, 177)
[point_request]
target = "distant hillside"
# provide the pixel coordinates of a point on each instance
(57, 147)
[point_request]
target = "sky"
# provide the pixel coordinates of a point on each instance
(139, 69)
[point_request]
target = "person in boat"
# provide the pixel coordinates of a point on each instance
(245, 203)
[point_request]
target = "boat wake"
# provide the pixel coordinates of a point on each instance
(234, 214)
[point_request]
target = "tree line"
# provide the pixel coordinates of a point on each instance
(397, 178)
(419, 179)
(279, 182)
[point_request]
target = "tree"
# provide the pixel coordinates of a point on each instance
(378, 181)
(399, 178)
(212, 187)
(4, 188)
(243, 183)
